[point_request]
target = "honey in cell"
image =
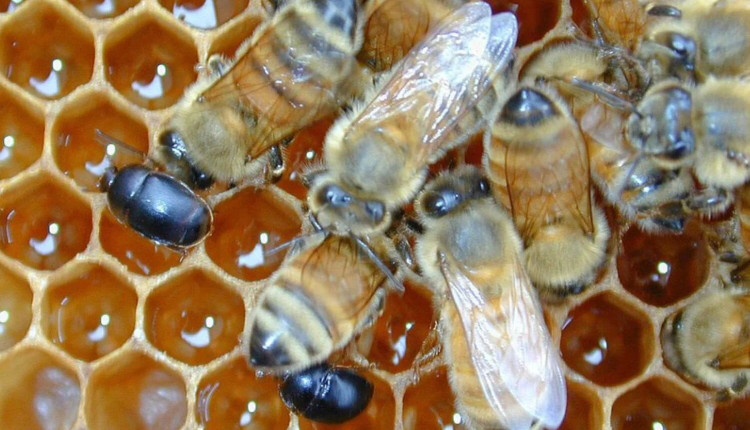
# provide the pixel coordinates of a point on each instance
(42, 224)
(194, 318)
(21, 134)
(233, 397)
(150, 74)
(91, 314)
(65, 62)
(662, 269)
(245, 226)
(204, 14)
(605, 341)
(15, 308)
(138, 254)
(77, 152)
(134, 391)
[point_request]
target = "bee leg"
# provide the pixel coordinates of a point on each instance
(218, 65)
(276, 164)
(428, 354)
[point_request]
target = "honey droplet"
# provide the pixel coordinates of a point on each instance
(605, 342)
(194, 319)
(232, 397)
(91, 315)
(247, 225)
(657, 404)
(140, 67)
(663, 269)
(42, 225)
(139, 254)
(430, 404)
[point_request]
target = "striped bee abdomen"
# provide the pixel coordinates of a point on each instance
(314, 305)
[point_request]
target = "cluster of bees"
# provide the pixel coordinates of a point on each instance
(654, 110)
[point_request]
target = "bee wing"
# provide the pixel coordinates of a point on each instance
(441, 79)
(395, 26)
(511, 349)
(561, 191)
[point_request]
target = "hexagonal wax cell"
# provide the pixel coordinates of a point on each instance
(43, 224)
(46, 51)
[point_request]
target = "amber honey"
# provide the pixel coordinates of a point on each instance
(89, 315)
(103, 329)
(194, 318)
(77, 152)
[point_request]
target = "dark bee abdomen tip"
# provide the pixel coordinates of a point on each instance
(527, 107)
(266, 354)
(326, 394)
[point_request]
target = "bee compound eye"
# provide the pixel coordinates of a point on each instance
(174, 141)
(375, 210)
(200, 179)
(434, 205)
(664, 10)
(335, 196)
(482, 187)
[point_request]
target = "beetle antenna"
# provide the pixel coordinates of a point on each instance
(110, 142)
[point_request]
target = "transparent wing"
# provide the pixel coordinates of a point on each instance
(511, 349)
(441, 79)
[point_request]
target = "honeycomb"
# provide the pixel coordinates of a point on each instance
(102, 329)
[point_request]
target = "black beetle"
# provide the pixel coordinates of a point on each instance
(326, 394)
(157, 206)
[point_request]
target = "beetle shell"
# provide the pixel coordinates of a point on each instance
(326, 394)
(158, 206)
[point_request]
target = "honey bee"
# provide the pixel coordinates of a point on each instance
(644, 148)
(721, 121)
(708, 341)
(298, 67)
(536, 159)
(697, 39)
(504, 368)
(394, 27)
(436, 98)
(324, 294)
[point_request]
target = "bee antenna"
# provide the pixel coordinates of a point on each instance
(605, 95)
(293, 243)
(631, 170)
(364, 247)
(105, 140)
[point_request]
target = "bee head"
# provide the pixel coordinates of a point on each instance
(449, 191)
(339, 210)
(172, 153)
